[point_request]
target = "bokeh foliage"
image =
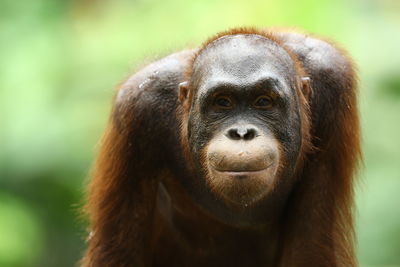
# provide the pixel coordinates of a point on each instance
(59, 63)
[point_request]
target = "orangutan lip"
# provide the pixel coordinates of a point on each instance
(242, 173)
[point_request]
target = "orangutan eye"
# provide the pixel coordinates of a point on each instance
(263, 102)
(223, 102)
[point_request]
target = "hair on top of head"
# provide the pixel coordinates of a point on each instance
(237, 31)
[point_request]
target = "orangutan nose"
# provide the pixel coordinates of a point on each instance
(244, 132)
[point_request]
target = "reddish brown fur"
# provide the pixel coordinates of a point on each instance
(335, 158)
(318, 226)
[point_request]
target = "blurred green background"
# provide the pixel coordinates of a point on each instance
(61, 60)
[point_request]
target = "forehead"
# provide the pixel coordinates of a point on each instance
(242, 59)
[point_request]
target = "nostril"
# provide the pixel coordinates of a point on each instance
(234, 134)
(250, 134)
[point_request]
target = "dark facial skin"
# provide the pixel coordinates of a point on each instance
(244, 125)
